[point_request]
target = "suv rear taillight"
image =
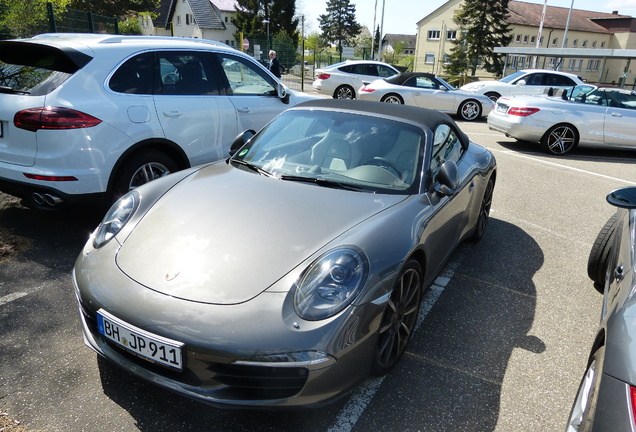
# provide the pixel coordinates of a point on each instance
(34, 119)
(522, 111)
(323, 76)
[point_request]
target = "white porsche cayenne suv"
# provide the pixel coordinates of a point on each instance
(86, 117)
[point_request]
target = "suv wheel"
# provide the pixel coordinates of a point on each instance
(140, 168)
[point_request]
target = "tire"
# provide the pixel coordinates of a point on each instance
(492, 96)
(581, 418)
(600, 254)
(393, 98)
(469, 110)
(399, 318)
(344, 92)
(560, 139)
(484, 211)
(140, 168)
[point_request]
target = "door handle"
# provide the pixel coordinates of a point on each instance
(615, 114)
(243, 110)
(618, 273)
(172, 113)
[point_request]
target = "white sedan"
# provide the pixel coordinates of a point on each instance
(341, 80)
(524, 82)
(590, 115)
(427, 91)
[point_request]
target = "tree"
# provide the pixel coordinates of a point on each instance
(24, 18)
(339, 25)
(482, 27)
(250, 15)
(376, 42)
(115, 8)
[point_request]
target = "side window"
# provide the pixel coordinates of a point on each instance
(597, 97)
(446, 146)
(134, 76)
(534, 79)
(385, 72)
(186, 73)
(424, 82)
(621, 99)
(246, 78)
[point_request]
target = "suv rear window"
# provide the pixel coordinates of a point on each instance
(27, 68)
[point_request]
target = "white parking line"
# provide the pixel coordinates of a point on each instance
(10, 297)
(360, 398)
(545, 162)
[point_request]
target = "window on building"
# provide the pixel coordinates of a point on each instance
(602, 44)
(584, 44)
(571, 64)
(578, 65)
(541, 41)
(433, 34)
(189, 19)
(518, 39)
(554, 41)
(593, 65)
(533, 39)
(575, 43)
(451, 34)
(565, 44)
(525, 39)
(594, 44)
(178, 19)
(429, 58)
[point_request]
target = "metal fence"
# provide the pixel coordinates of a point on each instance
(69, 21)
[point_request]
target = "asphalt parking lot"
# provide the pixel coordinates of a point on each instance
(501, 344)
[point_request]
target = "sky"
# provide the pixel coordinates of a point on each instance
(401, 16)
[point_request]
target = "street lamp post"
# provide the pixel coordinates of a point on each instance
(269, 44)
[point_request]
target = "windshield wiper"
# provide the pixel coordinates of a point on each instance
(321, 182)
(6, 89)
(253, 167)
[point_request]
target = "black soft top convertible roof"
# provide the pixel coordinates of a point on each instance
(426, 117)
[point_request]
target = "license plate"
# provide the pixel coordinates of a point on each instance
(143, 344)
(502, 108)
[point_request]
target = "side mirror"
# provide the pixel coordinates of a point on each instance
(240, 141)
(623, 198)
(282, 93)
(521, 82)
(448, 178)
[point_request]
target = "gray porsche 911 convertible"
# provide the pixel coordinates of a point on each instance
(286, 274)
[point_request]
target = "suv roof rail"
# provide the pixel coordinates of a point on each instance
(109, 38)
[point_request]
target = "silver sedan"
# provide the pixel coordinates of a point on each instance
(427, 91)
(585, 114)
(286, 274)
(606, 400)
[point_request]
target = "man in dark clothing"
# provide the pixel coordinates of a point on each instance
(274, 66)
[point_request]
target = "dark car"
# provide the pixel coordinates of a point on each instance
(288, 273)
(606, 399)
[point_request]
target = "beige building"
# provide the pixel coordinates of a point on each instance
(586, 30)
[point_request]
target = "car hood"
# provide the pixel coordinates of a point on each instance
(479, 84)
(224, 235)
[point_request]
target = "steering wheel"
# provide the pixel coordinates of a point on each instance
(384, 163)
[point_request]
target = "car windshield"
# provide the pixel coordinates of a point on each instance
(512, 77)
(580, 93)
(440, 79)
(336, 149)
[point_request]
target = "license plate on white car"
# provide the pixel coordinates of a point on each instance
(501, 108)
(146, 345)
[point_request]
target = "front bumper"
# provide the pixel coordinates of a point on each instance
(211, 372)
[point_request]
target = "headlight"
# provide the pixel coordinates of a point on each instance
(330, 284)
(116, 218)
